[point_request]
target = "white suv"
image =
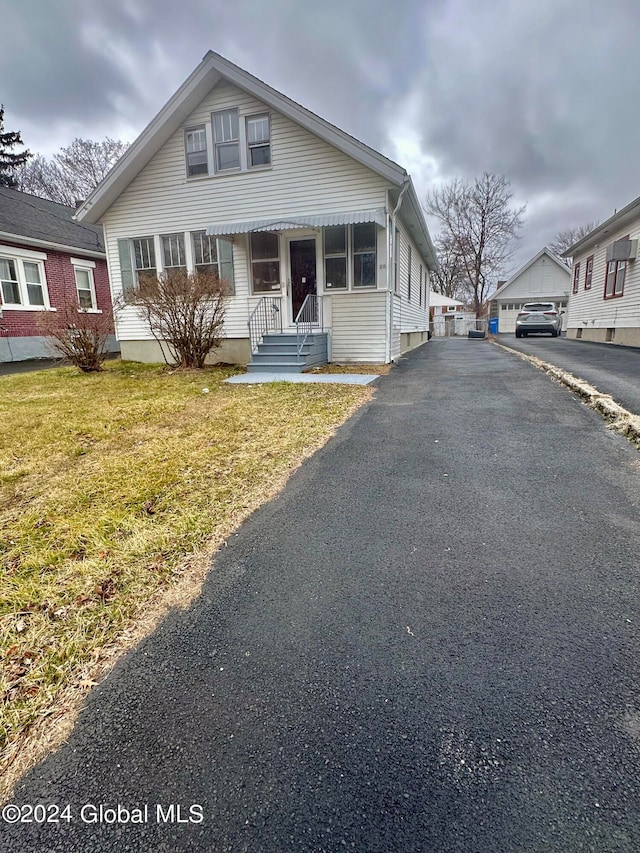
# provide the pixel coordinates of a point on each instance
(539, 317)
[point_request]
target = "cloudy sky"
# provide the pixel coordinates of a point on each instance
(543, 91)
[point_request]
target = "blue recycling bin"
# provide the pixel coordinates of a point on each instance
(493, 325)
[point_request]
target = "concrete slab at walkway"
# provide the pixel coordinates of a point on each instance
(305, 378)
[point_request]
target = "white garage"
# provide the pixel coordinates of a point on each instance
(544, 278)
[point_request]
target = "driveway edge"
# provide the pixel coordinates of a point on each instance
(621, 420)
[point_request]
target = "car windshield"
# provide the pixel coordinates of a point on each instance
(539, 306)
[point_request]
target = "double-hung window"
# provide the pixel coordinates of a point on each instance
(195, 140)
(174, 257)
(614, 282)
(226, 138)
(258, 141)
(213, 256)
(22, 282)
(576, 277)
(265, 261)
(364, 255)
(85, 284)
(588, 273)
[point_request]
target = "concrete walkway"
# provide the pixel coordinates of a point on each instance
(304, 378)
(428, 642)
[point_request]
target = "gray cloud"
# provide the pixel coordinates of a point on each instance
(543, 92)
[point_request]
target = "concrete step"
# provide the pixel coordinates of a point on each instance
(273, 367)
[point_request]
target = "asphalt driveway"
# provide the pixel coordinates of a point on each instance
(612, 369)
(430, 641)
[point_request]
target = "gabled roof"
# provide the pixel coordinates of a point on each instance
(196, 87)
(39, 222)
(530, 263)
(439, 300)
(622, 217)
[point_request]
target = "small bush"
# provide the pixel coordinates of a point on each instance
(80, 337)
(185, 311)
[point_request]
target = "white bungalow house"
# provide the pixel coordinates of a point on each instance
(605, 294)
(543, 278)
(317, 233)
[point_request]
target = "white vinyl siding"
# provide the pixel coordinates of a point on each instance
(307, 174)
(358, 327)
(587, 308)
(410, 315)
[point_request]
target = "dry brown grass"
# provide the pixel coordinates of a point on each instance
(113, 489)
(381, 369)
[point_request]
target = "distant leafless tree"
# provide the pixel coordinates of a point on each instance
(480, 224)
(185, 312)
(565, 239)
(450, 279)
(73, 173)
(77, 335)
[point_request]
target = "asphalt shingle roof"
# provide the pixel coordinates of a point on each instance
(25, 215)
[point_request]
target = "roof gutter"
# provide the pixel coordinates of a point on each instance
(47, 244)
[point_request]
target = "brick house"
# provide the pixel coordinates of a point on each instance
(46, 260)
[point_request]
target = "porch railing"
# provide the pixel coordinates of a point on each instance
(309, 318)
(265, 317)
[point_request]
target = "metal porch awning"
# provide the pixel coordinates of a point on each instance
(352, 217)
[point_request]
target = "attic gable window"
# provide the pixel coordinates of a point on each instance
(258, 141)
(226, 138)
(196, 147)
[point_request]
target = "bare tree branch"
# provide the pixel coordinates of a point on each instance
(565, 239)
(479, 227)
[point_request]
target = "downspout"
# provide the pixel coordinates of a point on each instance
(391, 266)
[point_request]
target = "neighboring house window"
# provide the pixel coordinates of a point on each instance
(226, 137)
(196, 146)
(409, 274)
(173, 254)
(576, 277)
(335, 257)
(23, 283)
(364, 255)
(588, 272)
(258, 141)
(212, 255)
(420, 284)
(614, 282)
(265, 261)
(85, 285)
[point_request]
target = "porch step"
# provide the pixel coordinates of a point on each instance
(279, 354)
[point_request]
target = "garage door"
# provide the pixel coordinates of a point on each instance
(507, 316)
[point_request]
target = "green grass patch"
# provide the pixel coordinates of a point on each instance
(108, 482)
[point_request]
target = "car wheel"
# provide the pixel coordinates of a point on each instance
(554, 334)
(518, 334)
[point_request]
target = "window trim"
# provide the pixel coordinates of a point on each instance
(616, 270)
(588, 273)
(19, 257)
(241, 167)
(279, 289)
(88, 268)
(576, 278)
(249, 146)
(206, 174)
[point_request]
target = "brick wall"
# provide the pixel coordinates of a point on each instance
(61, 286)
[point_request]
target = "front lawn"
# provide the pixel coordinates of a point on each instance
(108, 482)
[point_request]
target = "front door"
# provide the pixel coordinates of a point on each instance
(302, 264)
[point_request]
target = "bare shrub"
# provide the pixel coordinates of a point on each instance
(185, 312)
(77, 335)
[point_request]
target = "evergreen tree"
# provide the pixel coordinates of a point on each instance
(8, 160)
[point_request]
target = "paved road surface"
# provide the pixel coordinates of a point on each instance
(613, 369)
(429, 642)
